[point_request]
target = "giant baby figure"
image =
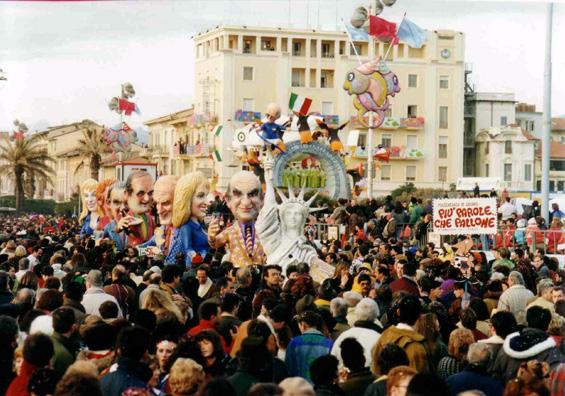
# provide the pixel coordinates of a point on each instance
(245, 200)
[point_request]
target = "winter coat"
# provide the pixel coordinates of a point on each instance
(128, 374)
(523, 346)
(64, 353)
(357, 382)
(413, 344)
(474, 378)
(18, 387)
(365, 334)
(303, 349)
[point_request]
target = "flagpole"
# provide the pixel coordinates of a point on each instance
(371, 129)
(546, 118)
(388, 50)
(351, 41)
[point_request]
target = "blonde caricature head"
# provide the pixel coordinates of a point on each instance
(184, 191)
(88, 186)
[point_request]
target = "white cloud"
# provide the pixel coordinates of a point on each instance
(65, 61)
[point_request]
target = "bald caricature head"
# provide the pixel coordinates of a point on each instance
(245, 197)
(163, 193)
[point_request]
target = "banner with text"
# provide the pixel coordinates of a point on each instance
(462, 216)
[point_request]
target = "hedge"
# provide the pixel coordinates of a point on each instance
(42, 206)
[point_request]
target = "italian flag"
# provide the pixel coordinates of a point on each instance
(299, 104)
(217, 156)
(218, 130)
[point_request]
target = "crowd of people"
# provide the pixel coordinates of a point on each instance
(94, 306)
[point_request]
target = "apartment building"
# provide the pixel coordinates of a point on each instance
(507, 152)
(180, 143)
(484, 110)
(240, 69)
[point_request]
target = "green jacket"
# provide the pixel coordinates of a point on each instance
(63, 356)
(415, 214)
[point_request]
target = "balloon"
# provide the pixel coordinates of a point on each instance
(359, 17)
(378, 7)
(128, 91)
(371, 83)
(388, 3)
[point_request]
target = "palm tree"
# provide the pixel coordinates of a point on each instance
(24, 158)
(91, 148)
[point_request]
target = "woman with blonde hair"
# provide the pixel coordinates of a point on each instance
(189, 208)
(92, 213)
(186, 377)
(157, 300)
(20, 252)
(459, 341)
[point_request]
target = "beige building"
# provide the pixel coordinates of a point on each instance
(63, 145)
(506, 152)
(176, 142)
(556, 167)
(240, 69)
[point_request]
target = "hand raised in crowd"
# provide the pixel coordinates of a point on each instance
(214, 229)
(344, 280)
(124, 223)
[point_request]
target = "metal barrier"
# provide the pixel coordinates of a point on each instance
(553, 240)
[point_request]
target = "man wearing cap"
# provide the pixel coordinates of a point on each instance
(245, 200)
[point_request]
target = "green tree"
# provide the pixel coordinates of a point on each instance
(407, 188)
(91, 147)
(21, 159)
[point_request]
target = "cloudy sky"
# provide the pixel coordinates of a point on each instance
(65, 61)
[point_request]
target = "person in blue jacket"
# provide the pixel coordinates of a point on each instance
(190, 205)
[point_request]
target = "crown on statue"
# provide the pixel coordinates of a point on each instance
(298, 199)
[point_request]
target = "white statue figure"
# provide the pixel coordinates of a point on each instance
(281, 230)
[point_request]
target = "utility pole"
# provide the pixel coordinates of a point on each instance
(370, 130)
(546, 120)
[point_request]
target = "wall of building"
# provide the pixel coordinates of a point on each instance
(220, 88)
(495, 157)
(530, 122)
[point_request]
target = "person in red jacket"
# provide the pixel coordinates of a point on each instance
(407, 282)
(208, 312)
(38, 351)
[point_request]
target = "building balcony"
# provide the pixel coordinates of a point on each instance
(392, 123)
(159, 150)
(396, 153)
(198, 150)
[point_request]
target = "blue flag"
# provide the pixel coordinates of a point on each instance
(411, 34)
(357, 34)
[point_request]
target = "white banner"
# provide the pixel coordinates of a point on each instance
(462, 216)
